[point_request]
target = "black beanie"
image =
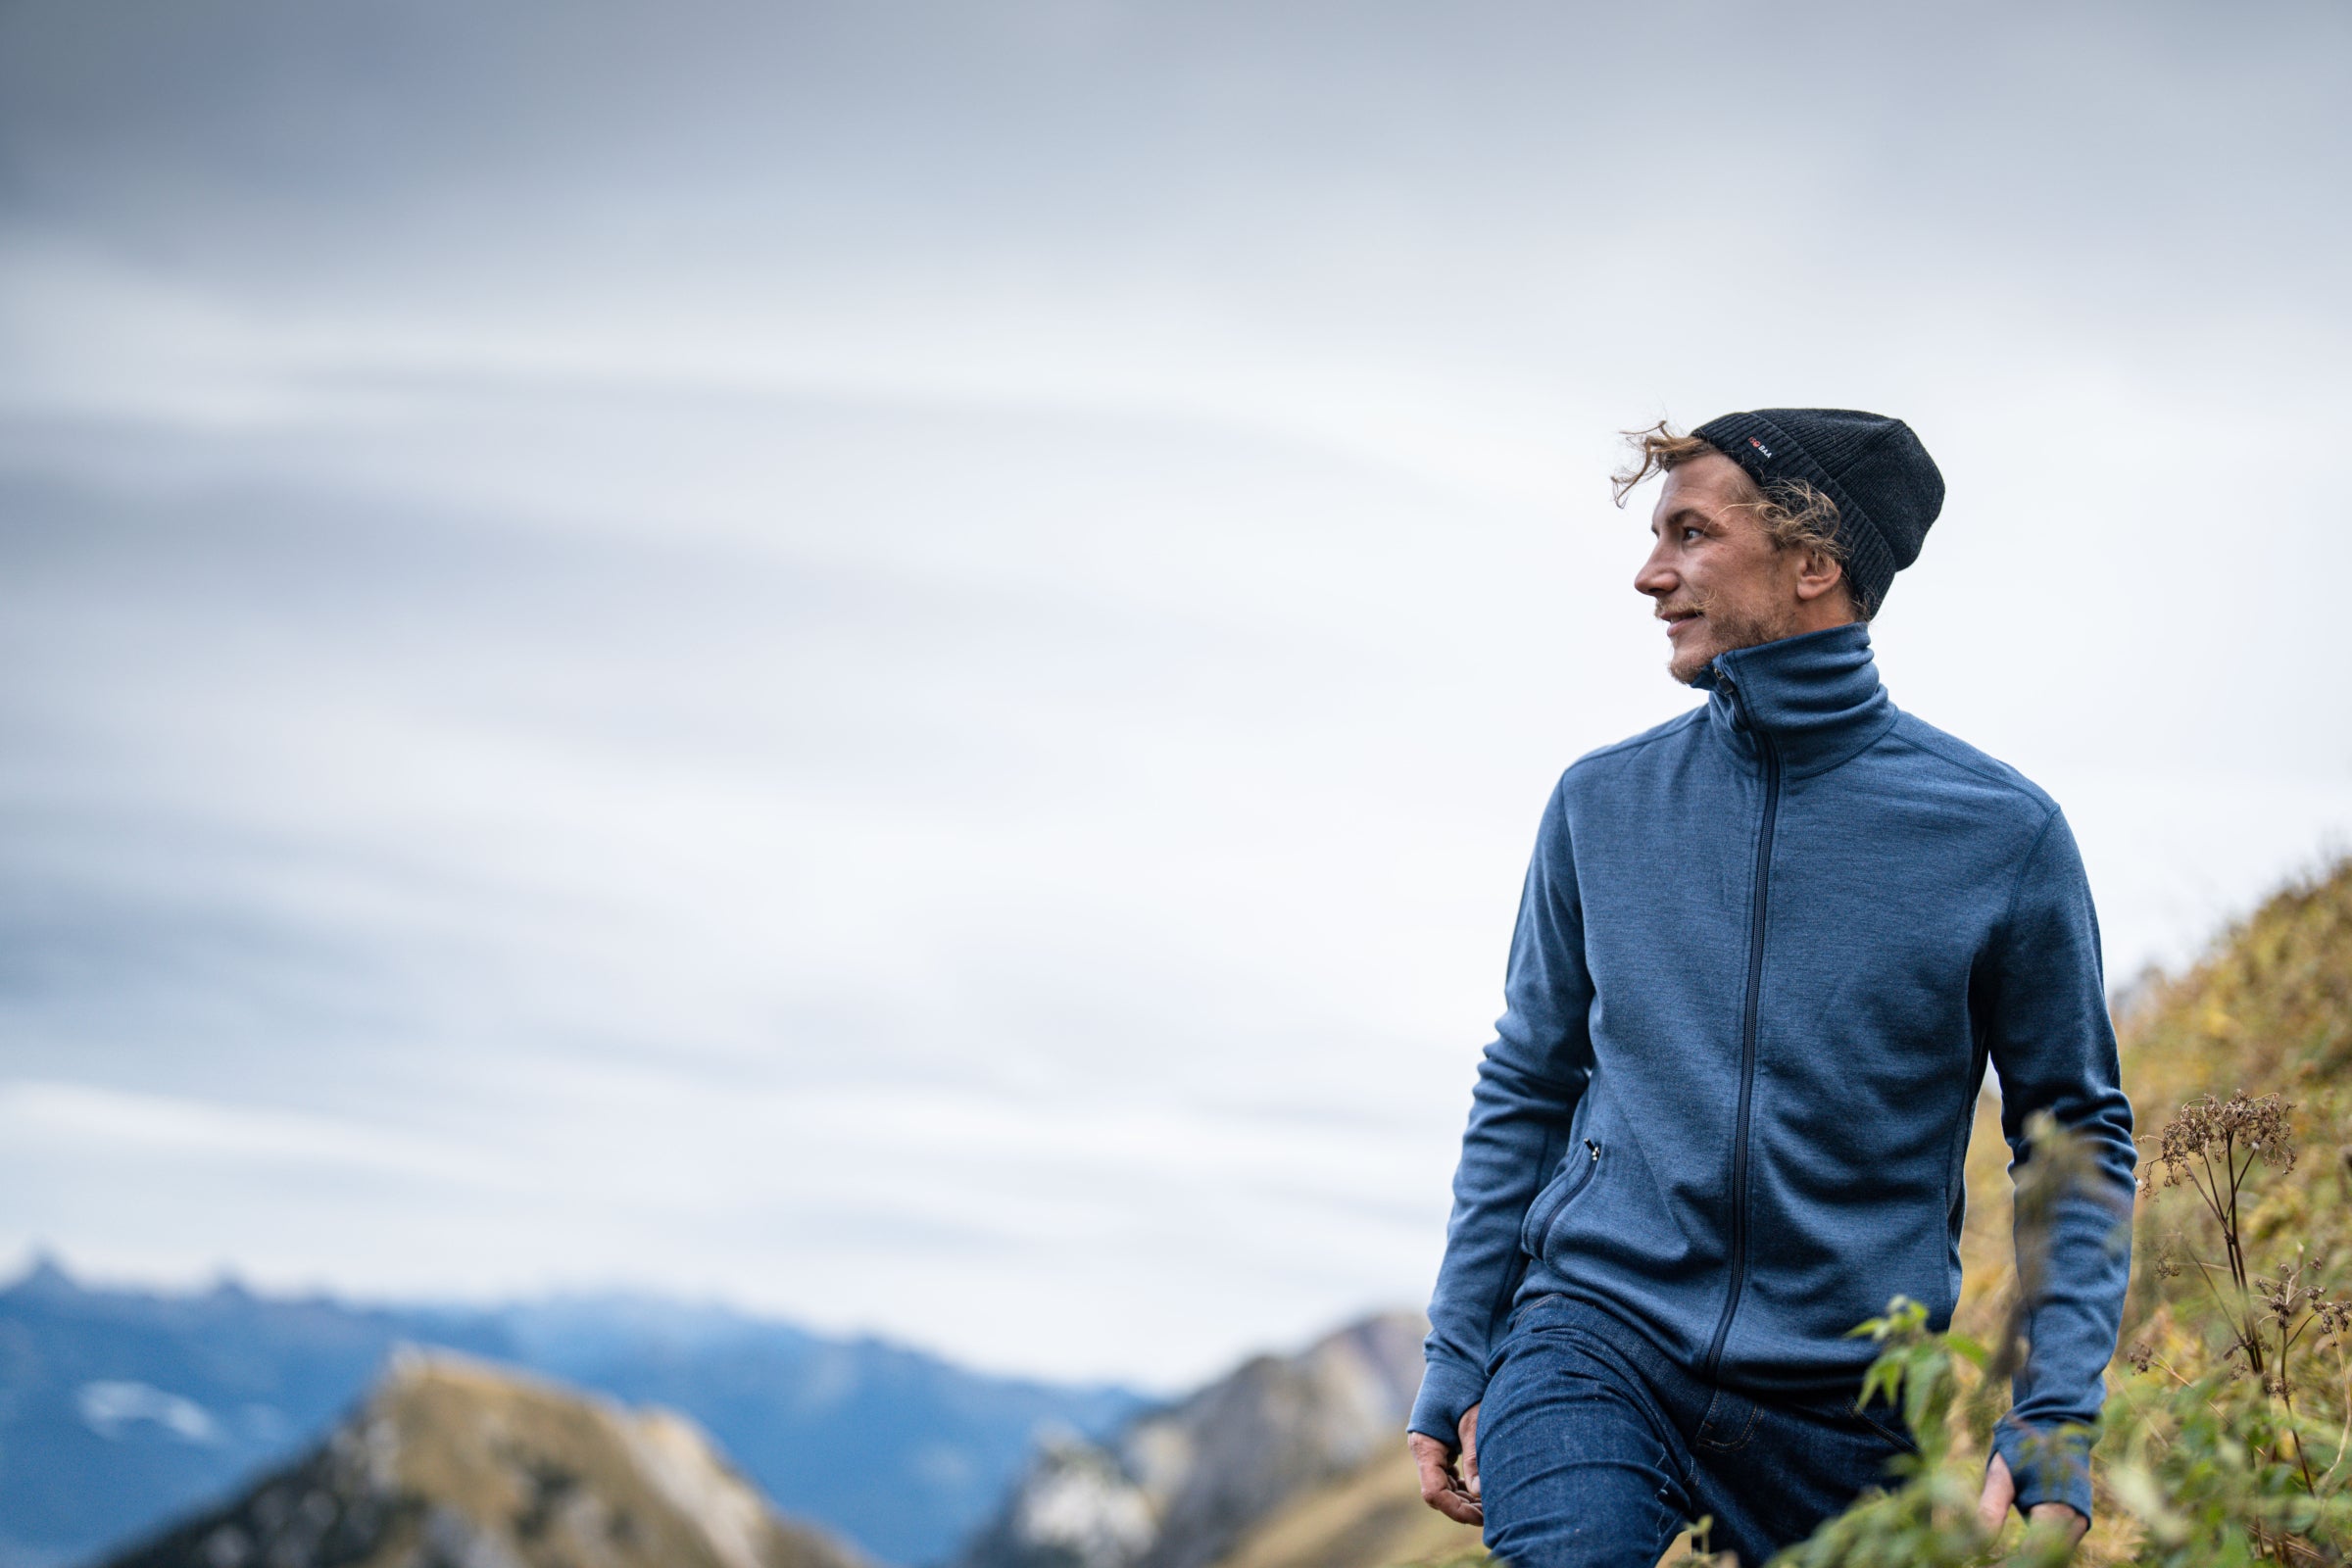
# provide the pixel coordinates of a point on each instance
(1886, 487)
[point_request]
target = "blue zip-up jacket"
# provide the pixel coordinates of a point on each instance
(1763, 957)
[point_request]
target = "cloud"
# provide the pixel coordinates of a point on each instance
(108, 1124)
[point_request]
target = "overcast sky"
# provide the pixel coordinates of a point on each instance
(896, 663)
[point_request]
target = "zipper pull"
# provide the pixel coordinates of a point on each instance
(1596, 1147)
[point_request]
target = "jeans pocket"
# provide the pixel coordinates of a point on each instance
(1729, 1422)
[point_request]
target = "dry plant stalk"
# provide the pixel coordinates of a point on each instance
(2212, 1145)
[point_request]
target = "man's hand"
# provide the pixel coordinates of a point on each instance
(1993, 1508)
(1448, 1488)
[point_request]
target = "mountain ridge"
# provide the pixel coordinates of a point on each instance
(120, 1406)
(450, 1462)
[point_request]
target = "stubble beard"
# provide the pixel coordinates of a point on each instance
(1728, 629)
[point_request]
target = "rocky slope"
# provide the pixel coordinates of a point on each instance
(1181, 1486)
(453, 1464)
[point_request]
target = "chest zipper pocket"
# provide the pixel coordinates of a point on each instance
(1554, 1202)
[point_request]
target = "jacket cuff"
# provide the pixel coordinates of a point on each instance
(1447, 1388)
(2048, 1466)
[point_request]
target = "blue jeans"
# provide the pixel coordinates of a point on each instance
(1595, 1447)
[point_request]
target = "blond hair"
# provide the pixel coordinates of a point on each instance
(1794, 514)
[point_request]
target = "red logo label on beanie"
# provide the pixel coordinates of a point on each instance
(1759, 446)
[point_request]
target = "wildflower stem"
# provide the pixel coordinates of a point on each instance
(2230, 1238)
(2286, 1398)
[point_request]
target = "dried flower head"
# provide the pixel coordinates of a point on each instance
(2207, 1128)
(2285, 1297)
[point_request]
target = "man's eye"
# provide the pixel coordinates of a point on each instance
(1690, 534)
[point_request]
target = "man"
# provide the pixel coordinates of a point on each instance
(1764, 956)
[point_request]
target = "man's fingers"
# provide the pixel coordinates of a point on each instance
(2000, 1490)
(1441, 1488)
(1437, 1468)
(1435, 1481)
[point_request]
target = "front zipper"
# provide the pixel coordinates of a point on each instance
(1569, 1188)
(1747, 1027)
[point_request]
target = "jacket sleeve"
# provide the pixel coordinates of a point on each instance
(2051, 1041)
(1529, 1082)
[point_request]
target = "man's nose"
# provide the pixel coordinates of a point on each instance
(1655, 579)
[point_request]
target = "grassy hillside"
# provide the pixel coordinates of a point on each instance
(2272, 1005)
(1373, 1516)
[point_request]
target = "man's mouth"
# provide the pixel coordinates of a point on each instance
(1677, 619)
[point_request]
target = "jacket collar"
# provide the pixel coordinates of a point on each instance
(1816, 698)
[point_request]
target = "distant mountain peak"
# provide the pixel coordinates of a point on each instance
(45, 1277)
(1179, 1486)
(453, 1462)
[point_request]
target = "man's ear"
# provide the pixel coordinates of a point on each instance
(1818, 573)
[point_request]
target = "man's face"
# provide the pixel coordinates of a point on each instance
(1719, 581)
